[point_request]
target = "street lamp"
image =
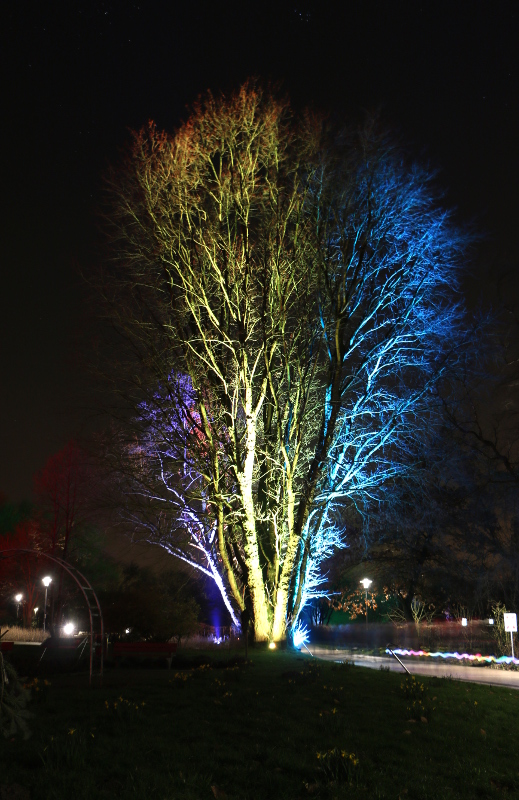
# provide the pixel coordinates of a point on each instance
(366, 582)
(18, 598)
(46, 582)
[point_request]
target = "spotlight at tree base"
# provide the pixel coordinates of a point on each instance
(272, 645)
(458, 656)
(300, 635)
(68, 629)
(464, 622)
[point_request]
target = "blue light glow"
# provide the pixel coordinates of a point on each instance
(300, 635)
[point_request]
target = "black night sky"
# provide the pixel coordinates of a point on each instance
(76, 76)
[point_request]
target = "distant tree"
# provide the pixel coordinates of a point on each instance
(61, 494)
(482, 412)
(11, 514)
(89, 554)
(440, 539)
(151, 606)
(20, 572)
(288, 295)
(58, 523)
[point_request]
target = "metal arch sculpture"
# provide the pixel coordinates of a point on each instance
(94, 609)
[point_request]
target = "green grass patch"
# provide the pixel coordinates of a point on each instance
(279, 726)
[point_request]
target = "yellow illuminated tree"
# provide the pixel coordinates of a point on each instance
(286, 295)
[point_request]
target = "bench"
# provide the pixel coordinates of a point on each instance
(64, 642)
(6, 647)
(145, 648)
(72, 646)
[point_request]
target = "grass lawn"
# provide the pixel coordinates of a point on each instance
(254, 730)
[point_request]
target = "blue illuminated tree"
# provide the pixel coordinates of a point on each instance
(290, 298)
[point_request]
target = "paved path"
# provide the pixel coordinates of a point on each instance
(492, 677)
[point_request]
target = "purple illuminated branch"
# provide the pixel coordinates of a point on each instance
(172, 481)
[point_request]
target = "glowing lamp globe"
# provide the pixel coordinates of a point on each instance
(46, 581)
(68, 629)
(18, 598)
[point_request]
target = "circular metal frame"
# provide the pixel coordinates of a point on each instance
(94, 609)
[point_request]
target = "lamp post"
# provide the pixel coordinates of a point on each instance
(46, 582)
(18, 598)
(366, 582)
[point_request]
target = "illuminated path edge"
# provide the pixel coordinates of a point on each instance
(457, 656)
(470, 672)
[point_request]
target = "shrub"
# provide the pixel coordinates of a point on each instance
(338, 765)
(13, 702)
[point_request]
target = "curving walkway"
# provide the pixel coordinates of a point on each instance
(487, 675)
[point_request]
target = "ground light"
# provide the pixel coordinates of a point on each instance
(272, 645)
(458, 656)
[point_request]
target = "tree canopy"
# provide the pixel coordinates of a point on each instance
(288, 296)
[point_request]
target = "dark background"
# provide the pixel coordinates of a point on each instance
(77, 76)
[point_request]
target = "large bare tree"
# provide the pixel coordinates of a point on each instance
(287, 295)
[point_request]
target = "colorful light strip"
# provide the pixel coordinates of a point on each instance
(458, 656)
